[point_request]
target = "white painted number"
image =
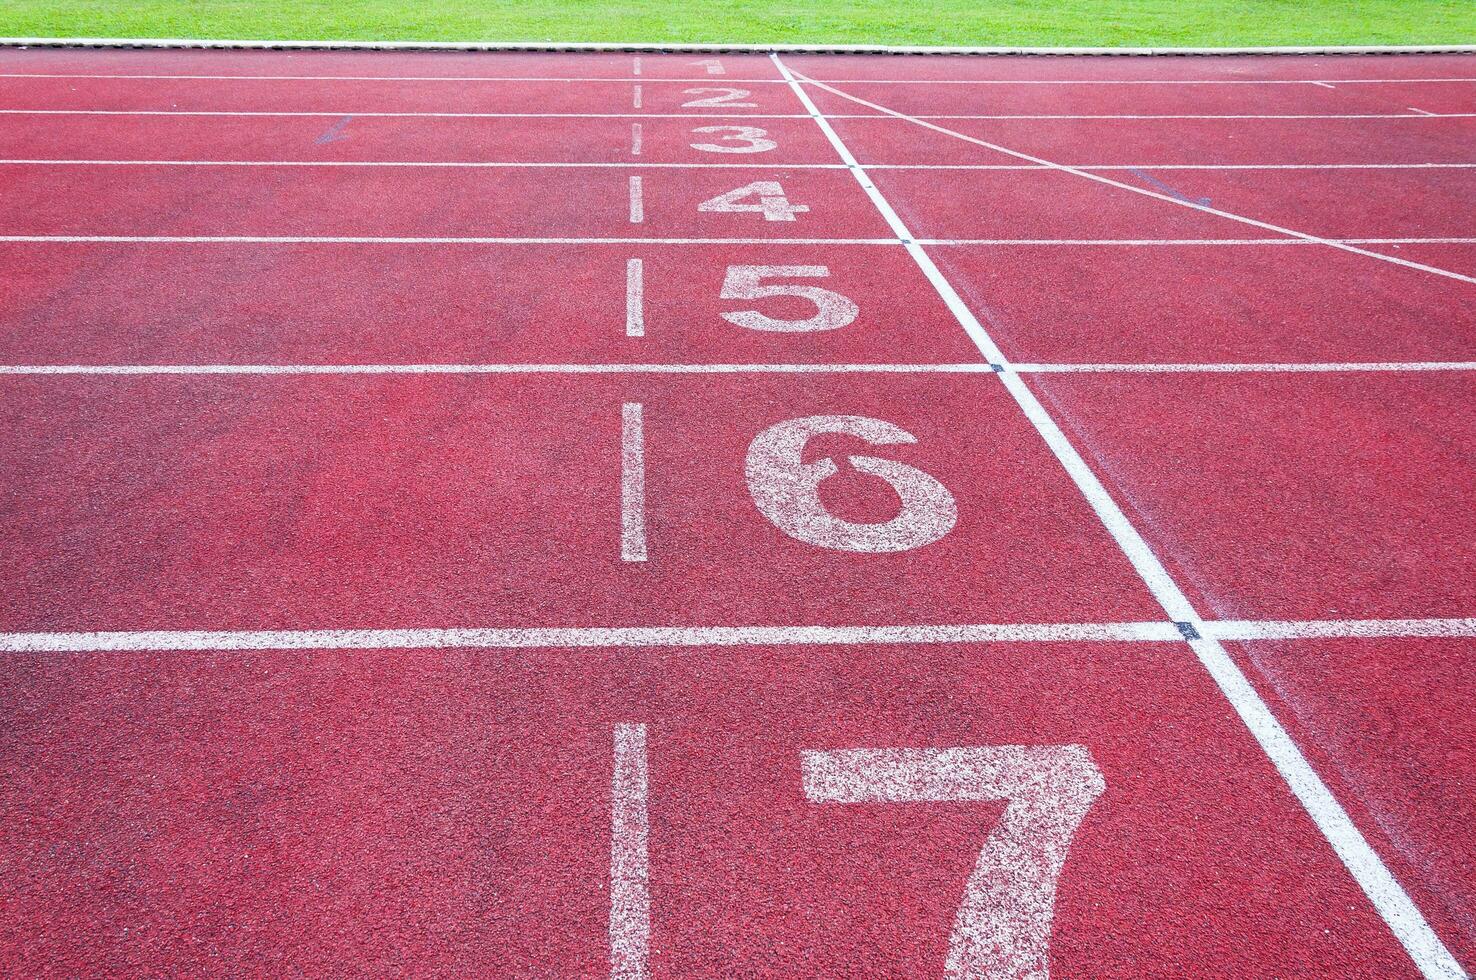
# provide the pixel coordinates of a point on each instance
(1003, 926)
(730, 98)
(713, 66)
(748, 139)
(786, 489)
(832, 310)
(772, 203)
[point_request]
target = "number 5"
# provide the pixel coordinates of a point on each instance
(832, 310)
(1002, 929)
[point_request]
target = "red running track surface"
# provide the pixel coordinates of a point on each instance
(487, 514)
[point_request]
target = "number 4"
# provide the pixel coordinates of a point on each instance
(1002, 929)
(772, 203)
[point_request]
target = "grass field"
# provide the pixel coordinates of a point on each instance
(936, 22)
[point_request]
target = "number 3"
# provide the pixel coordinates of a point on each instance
(786, 490)
(751, 137)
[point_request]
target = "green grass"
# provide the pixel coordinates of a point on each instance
(1094, 23)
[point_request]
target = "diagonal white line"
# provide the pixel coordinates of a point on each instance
(1091, 175)
(1401, 914)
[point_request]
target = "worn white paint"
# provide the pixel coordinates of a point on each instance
(1003, 925)
(786, 489)
(630, 893)
(832, 310)
(632, 483)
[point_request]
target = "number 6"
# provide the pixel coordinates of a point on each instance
(1003, 926)
(786, 490)
(833, 310)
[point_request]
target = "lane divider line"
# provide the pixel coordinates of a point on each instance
(1412, 114)
(492, 240)
(1151, 82)
(635, 327)
(679, 637)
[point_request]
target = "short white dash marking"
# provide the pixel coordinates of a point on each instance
(637, 202)
(635, 298)
(635, 98)
(1323, 84)
(632, 483)
(1423, 112)
(635, 69)
(635, 139)
(630, 896)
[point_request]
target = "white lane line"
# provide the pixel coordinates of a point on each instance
(635, 139)
(630, 895)
(635, 298)
(1133, 242)
(491, 240)
(1395, 906)
(453, 164)
(1293, 367)
(632, 483)
(753, 81)
(437, 115)
(412, 240)
(637, 201)
(1160, 116)
(636, 148)
(636, 98)
(635, 327)
(804, 79)
(1338, 629)
(522, 638)
(383, 78)
(973, 367)
(1203, 208)
(526, 638)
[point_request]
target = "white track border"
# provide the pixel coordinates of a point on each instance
(270, 45)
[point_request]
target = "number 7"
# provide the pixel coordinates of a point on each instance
(1002, 929)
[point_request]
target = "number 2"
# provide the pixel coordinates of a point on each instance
(729, 97)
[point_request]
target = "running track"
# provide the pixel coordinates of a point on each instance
(585, 515)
